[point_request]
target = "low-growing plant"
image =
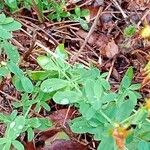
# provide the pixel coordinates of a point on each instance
(11, 64)
(57, 10)
(114, 118)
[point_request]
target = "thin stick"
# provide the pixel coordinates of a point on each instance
(111, 68)
(28, 52)
(119, 7)
(74, 58)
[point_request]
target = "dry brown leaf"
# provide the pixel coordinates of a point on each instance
(59, 116)
(110, 50)
(65, 145)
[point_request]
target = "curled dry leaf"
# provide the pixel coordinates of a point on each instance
(65, 145)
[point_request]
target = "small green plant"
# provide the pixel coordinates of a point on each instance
(11, 64)
(18, 124)
(57, 10)
(129, 31)
(110, 116)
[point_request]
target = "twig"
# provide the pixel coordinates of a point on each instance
(66, 116)
(119, 7)
(111, 68)
(28, 52)
(144, 16)
(37, 10)
(74, 58)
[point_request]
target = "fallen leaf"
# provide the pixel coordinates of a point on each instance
(65, 145)
(29, 146)
(110, 50)
(59, 116)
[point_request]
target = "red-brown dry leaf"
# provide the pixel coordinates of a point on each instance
(29, 146)
(48, 134)
(59, 116)
(99, 40)
(110, 50)
(65, 145)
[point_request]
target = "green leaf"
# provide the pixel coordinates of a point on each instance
(4, 34)
(45, 106)
(30, 133)
(46, 63)
(53, 84)
(107, 143)
(66, 97)
(11, 52)
(84, 24)
(15, 69)
(18, 145)
(11, 3)
(45, 124)
(12, 26)
(15, 128)
(144, 145)
(2, 17)
(27, 84)
(85, 12)
(34, 122)
(17, 83)
(3, 141)
(61, 52)
(7, 145)
(78, 11)
(140, 116)
(80, 125)
(126, 81)
(4, 71)
(135, 86)
(130, 30)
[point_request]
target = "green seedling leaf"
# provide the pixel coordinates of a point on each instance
(66, 97)
(2, 18)
(107, 143)
(45, 124)
(53, 84)
(78, 11)
(135, 86)
(30, 133)
(126, 81)
(85, 12)
(4, 71)
(11, 25)
(15, 69)
(46, 63)
(12, 4)
(11, 52)
(45, 106)
(84, 24)
(129, 31)
(140, 116)
(80, 125)
(18, 145)
(15, 128)
(61, 52)
(143, 145)
(17, 83)
(4, 34)
(3, 141)
(27, 84)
